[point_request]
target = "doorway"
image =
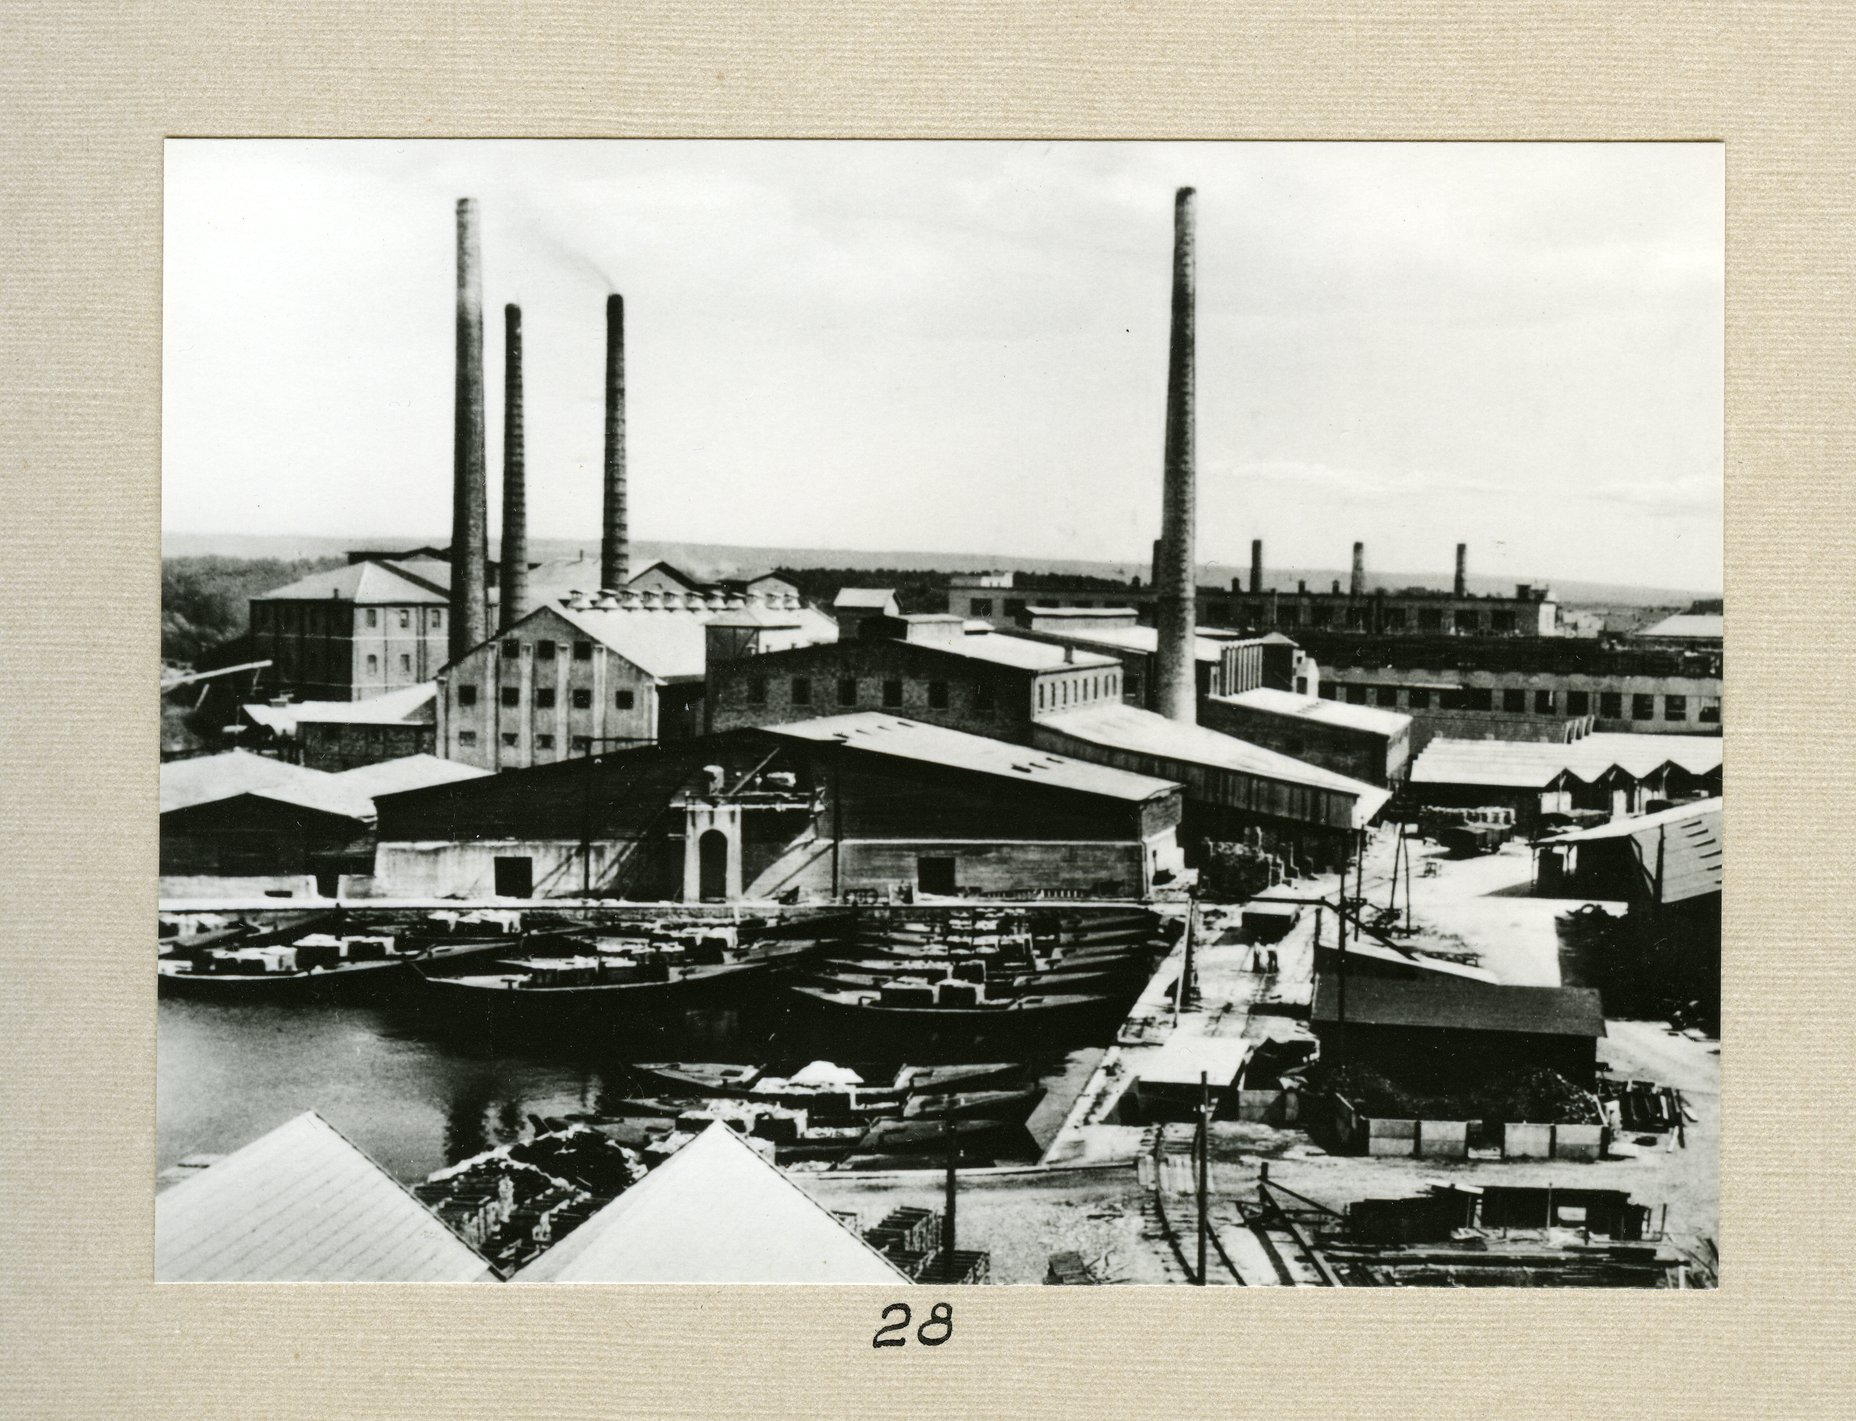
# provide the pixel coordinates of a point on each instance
(515, 877)
(712, 866)
(935, 875)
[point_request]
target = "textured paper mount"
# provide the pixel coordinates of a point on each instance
(88, 95)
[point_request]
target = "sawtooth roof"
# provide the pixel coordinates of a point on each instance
(1530, 764)
(714, 1212)
(304, 1205)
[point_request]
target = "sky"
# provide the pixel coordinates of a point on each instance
(961, 347)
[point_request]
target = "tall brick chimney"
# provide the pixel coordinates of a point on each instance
(469, 514)
(1462, 569)
(1176, 590)
(1256, 564)
(1358, 585)
(515, 477)
(614, 555)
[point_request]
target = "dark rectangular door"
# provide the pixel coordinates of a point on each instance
(515, 877)
(935, 875)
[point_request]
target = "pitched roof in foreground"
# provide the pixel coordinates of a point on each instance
(714, 1212)
(304, 1205)
(1438, 1001)
(209, 779)
(882, 734)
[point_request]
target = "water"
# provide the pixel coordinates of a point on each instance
(416, 1095)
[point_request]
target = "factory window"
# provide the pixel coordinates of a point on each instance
(1395, 618)
(1356, 695)
(1543, 703)
(1479, 697)
(1710, 713)
(583, 651)
(1329, 691)
(438, 618)
(1356, 619)
(1430, 619)
(1288, 616)
(1611, 705)
(467, 737)
(1385, 695)
(467, 695)
(1501, 621)
(373, 617)
(1014, 607)
(544, 742)
(512, 695)
(511, 650)
(544, 698)
(757, 690)
(892, 693)
(802, 690)
(1419, 698)
(1469, 621)
(373, 665)
(405, 617)
(1320, 616)
(1675, 708)
(406, 663)
(1643, 707)
(937, 694)
(1514, 700)
(982, 697)
(544, 651)
(582, 744)
(847, 690)
(583, 700)
(980, 606)
(1578, 702)
(625, 700)
(509, 739)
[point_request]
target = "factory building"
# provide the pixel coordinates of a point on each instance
(1687, 631)
(932, 668)
(341, 735)
(1612, 774)
(867, 803)
(352, 632)
(1359, 741)
(590, 673)
(1224, 665)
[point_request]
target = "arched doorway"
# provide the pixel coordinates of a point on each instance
(712, 856)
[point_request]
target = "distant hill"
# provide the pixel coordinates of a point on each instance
(712, 560)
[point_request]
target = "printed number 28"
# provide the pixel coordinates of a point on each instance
(940, 1323)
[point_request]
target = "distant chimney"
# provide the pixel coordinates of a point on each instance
(515, 478)
(1462, 570)
(1256, 564)
(1357, 587)
(1175, 580)
(469, 515)
(614, 558)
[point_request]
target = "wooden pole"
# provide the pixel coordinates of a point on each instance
(948, 1234)
(1204, 1153)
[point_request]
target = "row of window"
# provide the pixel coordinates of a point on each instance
(544, 697)
(1358, 618)
(1064, 693)
(372, 615)
(373, 665)
(891, 693)
(581, 744)
(547, 650)
(1519, 701)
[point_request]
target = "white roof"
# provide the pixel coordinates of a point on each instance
(671, 644)
(1136, 638)
(1338, 713)
(207, 779)
(826, 1073)
(1021, 652)
(878, 598)
(1692, 626)
(1531, 764)
(408, 705)
(303, 1205)
(373, 581)
(714, 1212)
(884, 734)
(1182, 1059)
(1130, 728)
(407, 772)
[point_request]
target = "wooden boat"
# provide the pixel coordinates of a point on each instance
(316, 966)
(1014, 1106)
(912, 1136)
(1082, 980)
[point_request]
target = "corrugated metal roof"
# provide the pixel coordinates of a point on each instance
(1688, 626)
(1434, 1000)
(1127, 727)
(1689, 838)
(409, 705)
(360, 582)
(714, 1212)
(882, 734)
(1338, 713)
(1536, 764)
(303, 1205)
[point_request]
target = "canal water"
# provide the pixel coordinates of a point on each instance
(417, 1094)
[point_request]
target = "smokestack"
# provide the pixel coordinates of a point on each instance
(1358, 586)
(469, 516)
(1462, 569)
(1176, 592)
(1256, 564)
(614, 559)
(515, 476)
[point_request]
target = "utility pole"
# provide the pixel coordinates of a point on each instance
(948, 1234)
(1204, 1153)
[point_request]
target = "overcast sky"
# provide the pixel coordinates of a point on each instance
(962, 346)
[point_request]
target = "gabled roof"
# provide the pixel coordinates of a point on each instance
(1324, 712)
(881, 734)
(1688, 838)
(304, 1205)
(208, 779)
(714, 1212)
(671, 645)
(1435, 1000)
(668, 570)
(1529, 764)
(878, 599)
(363, 583)
(411, 705)
(1145, 732)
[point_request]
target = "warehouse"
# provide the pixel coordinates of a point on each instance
(1613, 774)
(866, 802)
(339, 735)
(1225, 664)
(1360, 741)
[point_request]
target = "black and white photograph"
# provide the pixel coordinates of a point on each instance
(941, 713)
